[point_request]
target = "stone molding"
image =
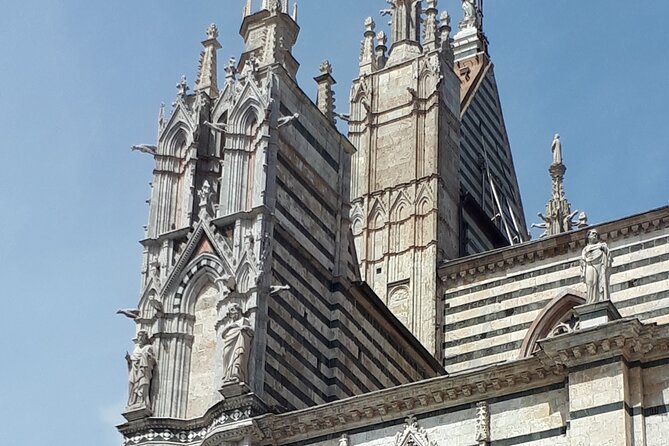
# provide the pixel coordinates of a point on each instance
(470, 268)
(627, 339)
(230, 415)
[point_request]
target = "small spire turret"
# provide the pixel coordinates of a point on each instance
(325, 99)
(431, 31)
(207, 74)
(367, 64)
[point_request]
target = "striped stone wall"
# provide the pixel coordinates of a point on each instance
(328, 337)
(492, 299)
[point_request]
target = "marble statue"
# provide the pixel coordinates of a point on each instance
(471, 14)
(237, 336)
(596, 268)
(141, 365)
(556, 147)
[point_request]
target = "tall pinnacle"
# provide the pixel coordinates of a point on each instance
(206, 78)
(559, 217)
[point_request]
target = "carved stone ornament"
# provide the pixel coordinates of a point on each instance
(413, 435)
(482, 422)
(141, 365)
(596, 268)
(237, 336)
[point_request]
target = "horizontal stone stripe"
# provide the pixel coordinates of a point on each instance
(289, 327)
(278, 398)
(279, 339)
(486, 335)
(534, 436)
(308, 385)
(328, 253)
(487, 302)
(478, 354)
(370, 337)
(318, 219)
(655, 410)
(636, 300)
(285, 164)
(599, 410)
(348, 334)
(496, 315)
(310, 139)
(288, 385)
(574, 263)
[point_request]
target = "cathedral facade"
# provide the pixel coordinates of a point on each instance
(302, 287)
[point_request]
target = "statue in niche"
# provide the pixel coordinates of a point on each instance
(595, 268)
(141, 364)
(556, 148)
(237, 336)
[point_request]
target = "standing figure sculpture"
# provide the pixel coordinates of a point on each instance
(595, 268)
(557, 149)
(470, 14)
(237, 337)
(141, 365)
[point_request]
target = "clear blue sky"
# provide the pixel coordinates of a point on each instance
(82, 80)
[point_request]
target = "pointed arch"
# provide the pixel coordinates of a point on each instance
(205, 266)
(400, 209)
(556, 312)
(377, 215)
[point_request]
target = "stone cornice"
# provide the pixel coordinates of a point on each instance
(466, 270)
(410, 399)
(628, 339)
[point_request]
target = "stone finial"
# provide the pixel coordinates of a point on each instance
(556, 148)
(596, 264)
(582, 220)
(248, 8)
(207, 72)
(325, 97)
(212, 31)
(326, 67)
(431, 41)
(381, 48)
(367, 64)
(182, 87)
(559, 217)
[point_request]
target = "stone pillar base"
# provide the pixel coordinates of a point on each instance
(137, 413)
(599, 313)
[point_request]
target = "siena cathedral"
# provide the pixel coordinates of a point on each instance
(302, 287)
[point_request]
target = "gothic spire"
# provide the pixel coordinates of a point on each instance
(431, 25)
(206, 78)
(367, 64)
(559, 218)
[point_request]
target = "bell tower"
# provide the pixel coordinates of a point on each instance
(404, 122)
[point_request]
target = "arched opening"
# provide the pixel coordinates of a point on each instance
(203, 356)
(556, 318)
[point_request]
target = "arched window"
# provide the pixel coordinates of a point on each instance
(556, 318)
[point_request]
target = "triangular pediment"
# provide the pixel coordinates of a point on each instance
(413, 435)
(202, 241)
(181, 117)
